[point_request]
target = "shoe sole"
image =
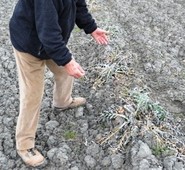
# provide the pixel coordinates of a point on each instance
(71, 106)
(66, 108)
(36, 165)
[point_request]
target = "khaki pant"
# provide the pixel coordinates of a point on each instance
(31, 87)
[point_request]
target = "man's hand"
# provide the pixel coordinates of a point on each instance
(100, 36)
(74, 69)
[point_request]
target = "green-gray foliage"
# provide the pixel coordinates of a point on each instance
(70, 135)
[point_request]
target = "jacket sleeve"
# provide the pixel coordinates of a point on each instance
(84, 19)
(49, 32)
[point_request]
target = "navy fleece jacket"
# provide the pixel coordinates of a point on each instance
(43, 27)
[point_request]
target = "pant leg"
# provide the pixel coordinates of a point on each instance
(62, 86)
(31, 87)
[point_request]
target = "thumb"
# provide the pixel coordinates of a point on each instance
(103, 31)
(81, 70)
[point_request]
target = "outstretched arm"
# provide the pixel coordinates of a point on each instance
(84, 19)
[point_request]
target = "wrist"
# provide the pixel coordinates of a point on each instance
(67, 61)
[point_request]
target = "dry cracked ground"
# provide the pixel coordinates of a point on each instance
(135, 88)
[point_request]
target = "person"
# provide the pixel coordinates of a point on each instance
(39, 32)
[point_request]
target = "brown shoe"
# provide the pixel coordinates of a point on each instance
(31, 157)
(78, 101)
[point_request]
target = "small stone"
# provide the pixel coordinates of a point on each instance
(118, 121)
(144, 165)
(93, 149)
(148, 67)
(98, 137)
(11, 65)
(52, 141)
(90, 161)
(51, 153)
(51, 125)
(84, 126)
(169, 162)
(74, 168)
(58, 156)
(144, 151)
(106, 161)
(117, 160)
(61, 158)
(79, 112)
(11, 164)
(8, 122)
(89, 108)
(178, 165)
(3, 160)
(65, 148)
(46, 103)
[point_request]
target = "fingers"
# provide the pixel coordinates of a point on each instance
(106, 39)
(82, 72)
(100, 36)
(74, 69)
(102, 40)
(79, 72)
(76, 73)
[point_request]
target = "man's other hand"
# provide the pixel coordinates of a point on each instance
(100, 36)
(74, 69)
